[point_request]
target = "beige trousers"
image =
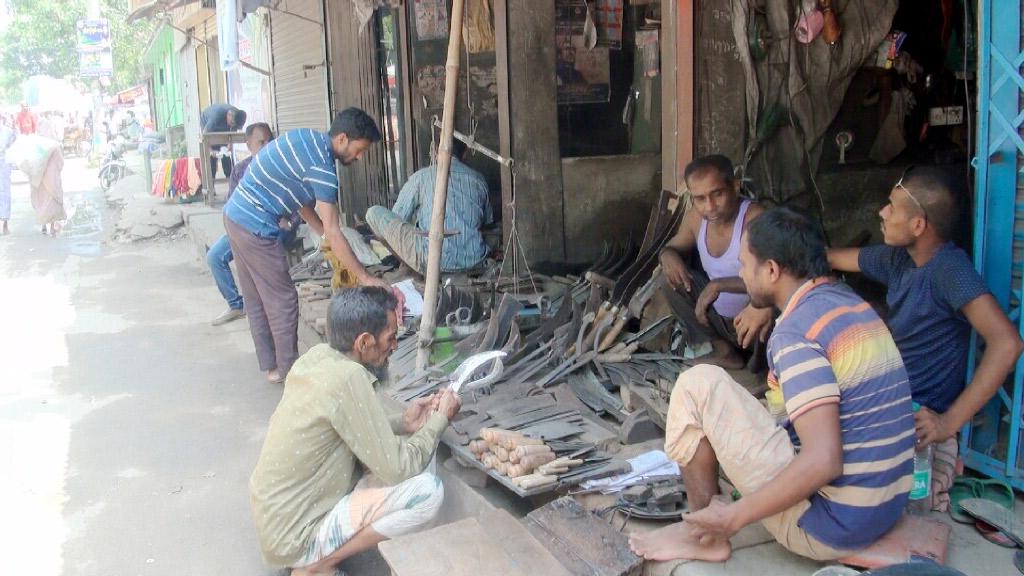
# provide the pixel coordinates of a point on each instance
(751, 448)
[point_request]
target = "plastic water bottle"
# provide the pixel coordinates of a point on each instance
(920, 494)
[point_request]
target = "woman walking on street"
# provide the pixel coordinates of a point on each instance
(6, 139)
(48, 193)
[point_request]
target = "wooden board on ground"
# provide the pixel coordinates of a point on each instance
(466, 548)
(585, 544)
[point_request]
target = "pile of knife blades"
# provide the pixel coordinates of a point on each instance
(584, 342)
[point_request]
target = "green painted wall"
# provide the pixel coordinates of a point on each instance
(161, 60)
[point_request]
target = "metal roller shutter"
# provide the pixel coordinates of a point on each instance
(299, 55)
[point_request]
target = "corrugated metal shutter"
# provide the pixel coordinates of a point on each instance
(299, 56)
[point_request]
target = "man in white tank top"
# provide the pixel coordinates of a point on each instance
(713, 304)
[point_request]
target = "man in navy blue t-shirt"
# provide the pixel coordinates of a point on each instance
(935, 297)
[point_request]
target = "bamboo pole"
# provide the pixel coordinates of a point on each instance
(444, 161)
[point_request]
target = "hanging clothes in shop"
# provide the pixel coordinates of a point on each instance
(794, 90)
(177, 178)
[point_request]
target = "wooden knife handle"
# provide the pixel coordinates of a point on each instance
(613, 334)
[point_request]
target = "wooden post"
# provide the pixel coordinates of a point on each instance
(444, 161)
(504, 119)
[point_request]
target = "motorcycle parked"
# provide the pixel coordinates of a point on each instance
(113, 166)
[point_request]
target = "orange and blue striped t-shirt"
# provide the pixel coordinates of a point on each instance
(829, 346)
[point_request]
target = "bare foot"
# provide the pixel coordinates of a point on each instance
(674, 542)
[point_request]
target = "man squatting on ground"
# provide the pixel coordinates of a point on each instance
(935, 296)
(294, 173)
(832, 357)
(466, 211)
(712, 226)
(336, 476)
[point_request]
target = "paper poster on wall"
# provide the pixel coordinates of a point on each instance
(609, 22)
(249, 89)
(583, 74)
(431, 19)
(430, 81)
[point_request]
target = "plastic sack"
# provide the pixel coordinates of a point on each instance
(30, 153)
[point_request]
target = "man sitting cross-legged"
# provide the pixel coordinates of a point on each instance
(834, 477)
(336, 476)
(404, 229)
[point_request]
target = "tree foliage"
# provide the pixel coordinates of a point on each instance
(41, 38)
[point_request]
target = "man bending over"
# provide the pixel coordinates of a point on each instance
(336, 476)
(833, 359)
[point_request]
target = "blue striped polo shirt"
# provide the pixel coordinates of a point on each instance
(467, 209)
(294, 170)
(830, 347)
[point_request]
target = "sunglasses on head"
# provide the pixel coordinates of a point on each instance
(901, 186)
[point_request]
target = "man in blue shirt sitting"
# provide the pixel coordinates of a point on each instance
(935, 297)
(467, 210)
(295, 173)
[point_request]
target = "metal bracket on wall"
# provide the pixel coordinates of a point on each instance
(471, 143)
(307, 68)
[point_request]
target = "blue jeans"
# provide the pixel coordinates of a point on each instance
(219, 258)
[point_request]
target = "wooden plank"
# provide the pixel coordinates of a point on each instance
(585, 544)
(456, 549)
(669, 103)
(524, 549)
(534, 131)
(685, 80)
(495, 544)
(504, 120)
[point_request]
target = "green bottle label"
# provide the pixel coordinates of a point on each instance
(922, 484)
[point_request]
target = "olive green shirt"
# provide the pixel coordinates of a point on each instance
(328, 422)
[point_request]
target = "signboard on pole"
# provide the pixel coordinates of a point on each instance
(94, 48)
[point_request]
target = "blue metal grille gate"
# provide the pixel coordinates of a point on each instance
(991, 443)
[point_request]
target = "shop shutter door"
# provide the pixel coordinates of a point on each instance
(300, 79)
